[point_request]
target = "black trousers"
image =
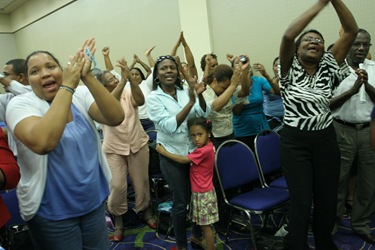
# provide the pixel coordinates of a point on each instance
(311, 164)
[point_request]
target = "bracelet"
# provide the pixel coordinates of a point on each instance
(71, 90)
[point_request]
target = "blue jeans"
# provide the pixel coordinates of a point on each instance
(88, 231)
(177, 177)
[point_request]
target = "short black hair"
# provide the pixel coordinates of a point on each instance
(200, 121)
(19, 66)
(155, 83)
(299, 39)
(203, 60)
(41, 52)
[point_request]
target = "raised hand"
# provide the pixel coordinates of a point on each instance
(245, 65)
(324, 1)
(125, 72)
(230, 57)
(148, 51)
(90, 45)
(105, 51)
(72, 72)
(136, 58)
(237, 74)
(182, 39)
(259, 67)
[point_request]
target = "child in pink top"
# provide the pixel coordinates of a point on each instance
(204, 209)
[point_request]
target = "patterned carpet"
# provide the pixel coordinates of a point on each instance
(140, 236)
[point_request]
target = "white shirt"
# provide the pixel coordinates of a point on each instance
(18, 88)
(354, 110)
(33, 166)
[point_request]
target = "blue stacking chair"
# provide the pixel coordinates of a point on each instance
(156, 177)
(236, 167)
(267, 150)
(10, 199)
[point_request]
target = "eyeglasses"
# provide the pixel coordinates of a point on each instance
(162, 58)
(359, 44)
(311, 39)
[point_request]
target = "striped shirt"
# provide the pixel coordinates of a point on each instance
(307, 97)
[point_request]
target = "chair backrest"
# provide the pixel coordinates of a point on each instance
(152, 134)
(235, 165)
(11, 202)
(154, 161)
(267, 150)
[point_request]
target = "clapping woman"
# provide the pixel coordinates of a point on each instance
(64, 174)
(310, 155)
(169, 106)
(127, 151)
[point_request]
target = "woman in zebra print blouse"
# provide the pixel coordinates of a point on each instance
(310, 155)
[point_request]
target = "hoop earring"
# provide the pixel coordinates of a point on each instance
(157, 80)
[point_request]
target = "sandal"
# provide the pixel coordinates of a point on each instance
(118, 234)
(149, 219)
(151, 223)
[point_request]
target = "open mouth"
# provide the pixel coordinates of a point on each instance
(50, 86)
(169, 78)
(313, 49)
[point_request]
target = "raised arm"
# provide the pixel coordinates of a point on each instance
(198, 87)
(245, 77)
(181, 116)
(189, 57)
(41, 134)
(175, 47)
(223, 99)
(349, 31)
(150, 60)
(273, 81)
(138, 98)
(287, 47)
(107, 59)
(106, 109)
(144, 65)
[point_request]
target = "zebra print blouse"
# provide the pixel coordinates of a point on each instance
(306, 98)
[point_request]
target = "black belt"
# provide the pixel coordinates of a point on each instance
(353, 125)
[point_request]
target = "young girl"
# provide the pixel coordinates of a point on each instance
(202, 162)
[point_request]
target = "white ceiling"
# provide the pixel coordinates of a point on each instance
(8, 6)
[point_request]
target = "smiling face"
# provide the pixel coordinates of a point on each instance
(311, 48)
(359, 49)
(110, 81)
(45, 75)
(167, 73)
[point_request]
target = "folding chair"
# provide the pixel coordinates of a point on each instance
(236, 167)
(11, 201)
(267, 150)
(157, 181)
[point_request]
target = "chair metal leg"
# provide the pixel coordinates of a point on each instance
(252, 231)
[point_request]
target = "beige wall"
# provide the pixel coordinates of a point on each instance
(131, 26)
